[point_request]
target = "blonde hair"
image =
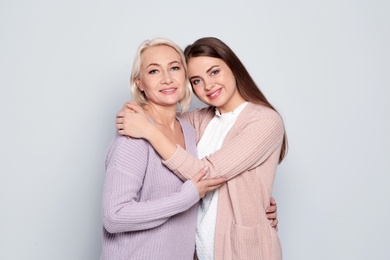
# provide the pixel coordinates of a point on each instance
(138, 95)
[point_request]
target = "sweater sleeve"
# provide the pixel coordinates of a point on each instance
(122, 209)
(252, 143)
(195, 117)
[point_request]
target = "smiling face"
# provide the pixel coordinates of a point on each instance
(214, 83)
(162, 76)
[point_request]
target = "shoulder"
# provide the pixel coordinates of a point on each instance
(122, 148)
(261, 114)
(204, 110)
(127, 143)
(263, 111)
(198, 114)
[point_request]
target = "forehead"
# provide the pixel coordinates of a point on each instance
(160, 55)
(203, 63)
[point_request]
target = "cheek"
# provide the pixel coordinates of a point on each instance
(145, 82)
(183, 82)
(198, 92)
(183, 79)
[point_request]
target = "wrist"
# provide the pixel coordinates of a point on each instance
(150, 132)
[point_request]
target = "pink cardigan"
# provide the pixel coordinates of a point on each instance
(248, 159)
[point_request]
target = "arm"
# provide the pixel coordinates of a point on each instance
(132, 121)
(253, 142)
(248, 144)
(122, 209)
(124, 128)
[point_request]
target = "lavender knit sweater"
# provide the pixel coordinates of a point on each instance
(148, 212)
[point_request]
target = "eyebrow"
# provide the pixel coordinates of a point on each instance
(207, 71)
(212, 67)
(156, 64)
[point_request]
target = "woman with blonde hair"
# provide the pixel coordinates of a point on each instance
(148, 212)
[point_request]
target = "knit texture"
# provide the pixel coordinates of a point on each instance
(148, 212)
(211, 141)
(248, 159)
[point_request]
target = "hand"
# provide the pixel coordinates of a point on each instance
(132, 121)
(272, 214)
(122, 112)
(207, 185)
(126, 105)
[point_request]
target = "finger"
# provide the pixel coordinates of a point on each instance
(276, 228)
(130, 105)
(272, 215)
(273, 201)
(135, 108)
(119, 123)
(197, 177)
(215, 182)
(211, 188)
(274, 223)
(271, 209)
(132, 102)
(204, 171)
(120, 114)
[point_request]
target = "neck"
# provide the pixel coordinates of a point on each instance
(231, 105)
(164, 116)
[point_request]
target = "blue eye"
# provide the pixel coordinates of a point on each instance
(214, 72)
(175, 68)
(153, 72)
(195, 81)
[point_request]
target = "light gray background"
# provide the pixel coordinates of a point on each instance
(64, 69)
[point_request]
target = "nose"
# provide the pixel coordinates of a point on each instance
(167, 78)
(209, 85)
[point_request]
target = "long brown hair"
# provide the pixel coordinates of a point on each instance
(246, 86)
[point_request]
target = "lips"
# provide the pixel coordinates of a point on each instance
(214, 94)
(168, 90)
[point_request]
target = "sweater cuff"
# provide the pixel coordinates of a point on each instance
(190, 191)
(177, 159)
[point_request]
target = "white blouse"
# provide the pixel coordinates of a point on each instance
(211, 141)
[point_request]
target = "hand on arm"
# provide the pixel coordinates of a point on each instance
(206, 185)
(122, 112)
(133, 122)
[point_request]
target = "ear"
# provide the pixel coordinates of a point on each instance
(138, 83)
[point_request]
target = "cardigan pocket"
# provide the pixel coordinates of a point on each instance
(251, 242)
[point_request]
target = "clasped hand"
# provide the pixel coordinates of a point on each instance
(131, 121)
